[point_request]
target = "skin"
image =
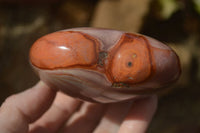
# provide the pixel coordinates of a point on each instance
(48, 111)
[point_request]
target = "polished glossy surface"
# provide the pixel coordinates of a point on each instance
(64, 49)
(104, 65)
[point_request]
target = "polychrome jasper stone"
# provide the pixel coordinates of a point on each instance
(103, 65)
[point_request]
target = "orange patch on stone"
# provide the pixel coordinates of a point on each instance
(130, 61)
(64, 49)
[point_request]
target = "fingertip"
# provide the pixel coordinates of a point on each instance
(41, 85)
(20, 109)
(147, 103)
(140, 115)
(143, 109)
(36, 100)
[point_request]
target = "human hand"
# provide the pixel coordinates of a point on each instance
(44, 110)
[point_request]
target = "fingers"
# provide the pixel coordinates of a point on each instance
(57, 115)
(139, 116)
(113, 117)
(86, 119)
(21, 109)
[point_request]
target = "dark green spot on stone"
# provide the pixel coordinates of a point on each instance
(120, 85)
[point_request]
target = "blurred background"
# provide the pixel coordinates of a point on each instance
(175, 22)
